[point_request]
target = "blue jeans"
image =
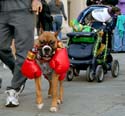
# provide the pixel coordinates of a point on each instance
(118, 42)
(57, 23)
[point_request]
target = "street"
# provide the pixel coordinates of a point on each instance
(81, 98)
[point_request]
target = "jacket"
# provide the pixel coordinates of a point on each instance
(57, 9)
(13, 5)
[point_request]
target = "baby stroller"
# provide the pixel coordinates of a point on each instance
(83, 51)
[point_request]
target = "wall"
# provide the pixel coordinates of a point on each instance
(76, 6)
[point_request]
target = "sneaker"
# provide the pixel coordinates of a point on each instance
(19, 90)
(12, 98)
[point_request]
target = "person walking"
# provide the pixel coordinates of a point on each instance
(45, 19)
(16, 21)
(58, 12)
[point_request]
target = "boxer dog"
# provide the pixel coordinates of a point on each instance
(46, 50)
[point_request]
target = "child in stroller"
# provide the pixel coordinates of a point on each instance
(91, 55)
(108, 17)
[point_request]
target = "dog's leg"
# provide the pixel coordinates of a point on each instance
(54, 92)
(61, 92)
(39, 98)
(50, 88)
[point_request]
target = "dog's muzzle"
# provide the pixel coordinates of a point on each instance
(47, 51)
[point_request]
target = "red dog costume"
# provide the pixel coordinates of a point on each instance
(58, 63)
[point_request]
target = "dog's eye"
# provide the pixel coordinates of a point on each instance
(42, 42)
(51, 43)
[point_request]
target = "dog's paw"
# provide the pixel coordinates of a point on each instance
(59, 101)
(53, 109)
(40, 106)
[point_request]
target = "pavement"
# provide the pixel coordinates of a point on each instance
(81, 98)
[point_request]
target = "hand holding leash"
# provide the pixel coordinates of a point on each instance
(36, 6)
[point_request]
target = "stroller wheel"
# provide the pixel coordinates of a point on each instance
(115, 68)
(99, 73)
(89, 74)
(70, 74)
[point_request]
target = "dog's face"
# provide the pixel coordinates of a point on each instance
(47, 44)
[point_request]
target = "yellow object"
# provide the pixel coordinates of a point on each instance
(31, 55)
(76, 25)
(100, 50)
(60, 44)
(101, 33)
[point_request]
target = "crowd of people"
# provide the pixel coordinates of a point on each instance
(17, 21)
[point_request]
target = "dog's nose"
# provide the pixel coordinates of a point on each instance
(47, 49)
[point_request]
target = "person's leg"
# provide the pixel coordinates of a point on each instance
(23, 23)
(54, 24)
(59, 25)
(6, 35)
(6, 32)
(123, 43)
(117, 41)
(110, 40)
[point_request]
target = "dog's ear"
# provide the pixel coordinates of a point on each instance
(57, 32)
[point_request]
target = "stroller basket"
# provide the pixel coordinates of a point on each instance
(78, 37)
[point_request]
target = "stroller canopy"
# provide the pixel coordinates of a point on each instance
(87, 11)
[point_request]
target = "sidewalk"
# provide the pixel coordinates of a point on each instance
(81, 98)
